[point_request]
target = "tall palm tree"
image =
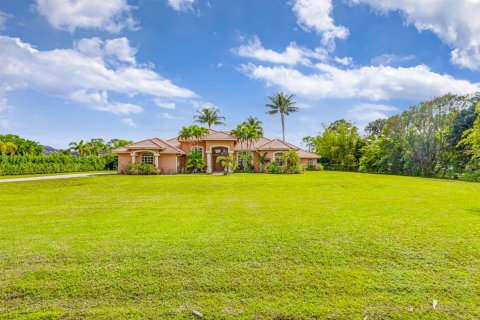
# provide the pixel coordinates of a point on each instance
(253, 121)
(283, 104)
(210, 116)
(79, 147)
(8, 147)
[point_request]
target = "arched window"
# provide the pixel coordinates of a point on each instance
(279, 158)
(147, 158)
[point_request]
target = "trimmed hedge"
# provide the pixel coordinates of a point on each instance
(55, 163)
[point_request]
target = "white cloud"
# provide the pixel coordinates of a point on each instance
(3, 19)
(371, 82)
(202, 104)
(345, 61)
(117, 48)
(367, 112)
(456, 23)
(163, 104)
(82, 75)
(168, 116)
(129, 122)
(389, 59)
(181, 5)
(292, 55)
(111, 15)
(98, 100)
(316, 15)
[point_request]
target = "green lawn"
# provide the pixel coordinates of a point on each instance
(323, 245)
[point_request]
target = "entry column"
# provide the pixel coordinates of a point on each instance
(209, 161)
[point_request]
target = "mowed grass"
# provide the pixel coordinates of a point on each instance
(324, 245)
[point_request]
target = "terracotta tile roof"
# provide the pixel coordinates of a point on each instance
(174, 142)
(256, 144)
(120, 150)
(218, 135)
(150, 144)
(167, 147)
(277, 144)
(307, 155)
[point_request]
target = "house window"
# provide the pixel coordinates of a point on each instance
(310, 162)
(197, 149)
(279, 158)
(147, 158)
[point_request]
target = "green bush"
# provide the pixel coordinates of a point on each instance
(111, 161)
(314, 167)
(195, 163)
(291, 163)
(273, 168)
(140, 169)
(55, 163)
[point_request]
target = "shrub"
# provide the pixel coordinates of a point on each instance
(140, 169)
(195, 163)
(314, 167)
(273, 168)
(55, 163)
(111, 161)
(291, 163)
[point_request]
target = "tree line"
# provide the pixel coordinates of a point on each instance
(21, 156)
(436, 138)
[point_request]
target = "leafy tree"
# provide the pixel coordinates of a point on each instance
(209, 116)
(471, 139)
(95, 147)
(24, 146)
(374, 128)
(117, 143)
(340, 143)
(309, 142)
(228, 163)
(283, 104)
(8, 148)
(420, 141)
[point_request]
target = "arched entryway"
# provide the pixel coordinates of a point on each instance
(217, 152)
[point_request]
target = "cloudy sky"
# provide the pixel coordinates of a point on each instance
(81, 69)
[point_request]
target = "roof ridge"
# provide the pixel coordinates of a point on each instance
(131, 144)
(168, 144)
(155, 142)
(264, 143)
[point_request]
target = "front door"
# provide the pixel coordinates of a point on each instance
(217, 152)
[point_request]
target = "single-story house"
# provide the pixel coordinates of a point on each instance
(169, 156)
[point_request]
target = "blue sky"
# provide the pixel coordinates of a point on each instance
(138, 69)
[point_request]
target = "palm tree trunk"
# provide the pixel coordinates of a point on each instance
(283, 126)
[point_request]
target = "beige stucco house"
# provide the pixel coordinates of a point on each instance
(169, 156)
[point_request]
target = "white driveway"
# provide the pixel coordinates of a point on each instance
(61, 176)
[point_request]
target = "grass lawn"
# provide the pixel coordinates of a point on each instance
(324, 245)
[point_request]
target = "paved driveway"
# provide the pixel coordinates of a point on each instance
(61, 176)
